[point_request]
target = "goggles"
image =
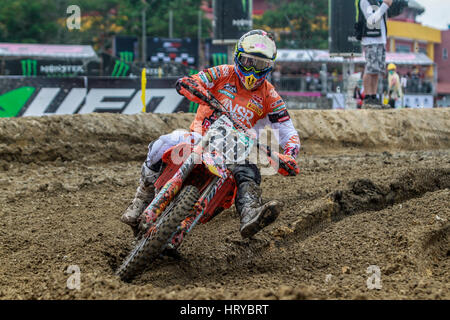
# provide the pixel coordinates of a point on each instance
(249, 62)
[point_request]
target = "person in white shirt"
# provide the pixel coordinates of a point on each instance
(372, 16)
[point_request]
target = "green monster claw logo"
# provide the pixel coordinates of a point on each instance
(244, 5)
(29, 67)
(219, 58)
(126, 56)
(121, 67)
(13, 101)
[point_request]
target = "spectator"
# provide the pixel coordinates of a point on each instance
(316, 82)
(415, 80)
(308, 80)
(404, 82)
(335, 79)
(394, 86)
(372, 31)
(358, 94)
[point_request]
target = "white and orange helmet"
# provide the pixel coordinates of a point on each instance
(254, 58)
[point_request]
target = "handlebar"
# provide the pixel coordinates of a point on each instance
(220, 109)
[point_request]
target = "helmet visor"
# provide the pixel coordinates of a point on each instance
(249, 62)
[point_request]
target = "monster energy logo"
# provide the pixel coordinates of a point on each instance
(192, 105)
(126, 56)
(244, 5)
(219, 58)
(357, 10)
(29, 67)
(120, 69)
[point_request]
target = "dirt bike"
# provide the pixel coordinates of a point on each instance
(195, 185)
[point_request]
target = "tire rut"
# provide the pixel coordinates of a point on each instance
(362, 195)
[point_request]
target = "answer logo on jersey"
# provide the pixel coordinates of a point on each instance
(243, 114)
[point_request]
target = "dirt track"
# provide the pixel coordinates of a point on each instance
(362, 199)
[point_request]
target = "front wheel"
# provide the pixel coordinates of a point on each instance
(152, 245)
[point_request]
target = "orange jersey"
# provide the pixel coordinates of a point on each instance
(249, 107)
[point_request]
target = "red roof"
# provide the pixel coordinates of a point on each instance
(443, 88)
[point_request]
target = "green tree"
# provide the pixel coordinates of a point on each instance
(185, 19)
(28, 21)
(44, 21)
(297, 24)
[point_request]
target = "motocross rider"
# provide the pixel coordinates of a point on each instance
(243, 89)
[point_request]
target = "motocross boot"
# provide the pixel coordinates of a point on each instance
(254, 214)
(143, 197)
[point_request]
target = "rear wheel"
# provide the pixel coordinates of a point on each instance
(151, 246)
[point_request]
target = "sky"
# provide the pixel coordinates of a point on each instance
(437, 13)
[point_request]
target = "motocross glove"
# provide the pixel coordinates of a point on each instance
(192, 90)
(287, 166)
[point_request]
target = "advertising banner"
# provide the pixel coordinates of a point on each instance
(29, 67)
(38, 96)
(163, 50)
(418, 101)
(232, 18)
(342, 19)
(125, 48)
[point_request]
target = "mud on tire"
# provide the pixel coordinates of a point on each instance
(149, 247)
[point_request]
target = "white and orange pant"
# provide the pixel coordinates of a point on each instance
(157, 148)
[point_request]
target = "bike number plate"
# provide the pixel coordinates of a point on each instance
(233, 145)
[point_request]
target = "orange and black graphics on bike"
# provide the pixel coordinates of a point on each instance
(218, 197)
(167, 193)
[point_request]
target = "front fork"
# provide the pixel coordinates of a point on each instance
(167, 193)
(200, 207)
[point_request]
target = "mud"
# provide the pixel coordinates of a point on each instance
(374, 190)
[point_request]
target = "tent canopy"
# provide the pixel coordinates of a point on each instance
(51, 51)
(323, 56)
